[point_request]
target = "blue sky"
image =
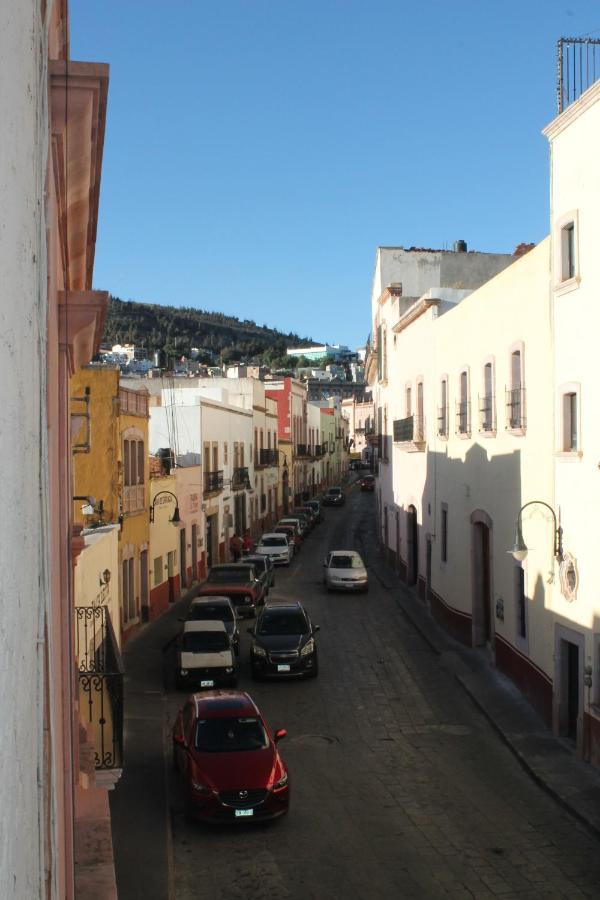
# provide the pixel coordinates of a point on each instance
(258, 151)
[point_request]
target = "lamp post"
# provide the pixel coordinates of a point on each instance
(520, 550)
(176, 520)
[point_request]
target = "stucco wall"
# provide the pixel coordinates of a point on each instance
(23, 549)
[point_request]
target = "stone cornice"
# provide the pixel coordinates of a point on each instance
(573, 112)
(413, 312)
(81, 325)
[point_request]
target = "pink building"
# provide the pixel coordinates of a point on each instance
(53, 134)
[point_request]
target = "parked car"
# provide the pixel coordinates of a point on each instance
(277, 546)
(263, 564)
(334, 497)
(293, 535)
(309, 512)
(260, 572)
(355, 464)
(284, 642)
(301, 523)
(367, 483)
(344, 570)
(217, 609)
(228, 756)
(239, 582)
(205, 658)
(316, 506)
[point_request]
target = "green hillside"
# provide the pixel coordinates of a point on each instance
(175, 330)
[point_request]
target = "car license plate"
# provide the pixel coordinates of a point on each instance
(283, 668)
(207, 684)
(244, 812)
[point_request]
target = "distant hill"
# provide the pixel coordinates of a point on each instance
(175, 330)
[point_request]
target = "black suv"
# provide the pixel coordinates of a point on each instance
(334, 497)
(284, 642)
(207, 609)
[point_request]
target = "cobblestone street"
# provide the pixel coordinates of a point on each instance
(400, 787)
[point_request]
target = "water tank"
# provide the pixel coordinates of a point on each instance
(460, 246)
(167, 460)
(159, 359)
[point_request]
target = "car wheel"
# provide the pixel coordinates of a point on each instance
(366, 589)
(255, 675)
(315, 669)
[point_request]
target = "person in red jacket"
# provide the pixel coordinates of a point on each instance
(247, 543)
(235, 547)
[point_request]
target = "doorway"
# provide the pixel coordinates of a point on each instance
(144, 585)
(482, 583)
(194, 552)
(568, 712)
(412, 545)
(286, 492)
(212, 552)
(182, 559)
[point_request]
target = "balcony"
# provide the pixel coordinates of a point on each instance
(372, 435)
(463, 418)
(442, 420)
(487, 414)
(410, 432)
(213, 482)
(303, 450)
(319, 450)
(515, 409)
(100, 675)
(240, 478)
(268, 457)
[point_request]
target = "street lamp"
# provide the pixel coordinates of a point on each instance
(175, 519)
(520, 549)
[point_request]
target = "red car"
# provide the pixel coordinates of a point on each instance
(367, 483)
(229, 760)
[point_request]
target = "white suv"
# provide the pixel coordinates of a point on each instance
(277, 547)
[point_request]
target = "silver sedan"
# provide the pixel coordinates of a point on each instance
(344, 570)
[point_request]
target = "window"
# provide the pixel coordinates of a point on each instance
(443, 409)
(419, 428)
(570, 420)
(486, 401)
(567, 251)
(225, 453)
(134, 457)
(463, 406)
(408, 396)
(515, 395)
(444, 526)
(158, 570)
(521, 605)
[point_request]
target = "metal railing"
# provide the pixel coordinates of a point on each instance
(213, 481)
(442, 420)
(319, 450)
(404, 429)
(268, 457)
(302, 450)
(100, 674)
(577, 68)
(487, 413)
(463, 416)
(515, 408)
(240, 478)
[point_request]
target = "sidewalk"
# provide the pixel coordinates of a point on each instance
(547, 759)
(139, 804)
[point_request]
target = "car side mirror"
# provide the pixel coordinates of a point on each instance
(279, 734)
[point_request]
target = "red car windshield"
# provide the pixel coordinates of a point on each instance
(225, 735)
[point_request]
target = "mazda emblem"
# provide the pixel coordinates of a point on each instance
(243, 795)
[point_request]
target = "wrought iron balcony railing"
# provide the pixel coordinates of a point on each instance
(409, 430)
(442, 420)
(302, 450)
(240, 478)
(100, 674)
(268, 457)
(487, 413)
(578, 67)
(463, 417)
(319, 450)
(213, 481)
(515, 408)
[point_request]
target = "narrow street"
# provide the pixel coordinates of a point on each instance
(400, 787)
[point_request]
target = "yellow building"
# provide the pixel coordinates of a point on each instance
(110, 444)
